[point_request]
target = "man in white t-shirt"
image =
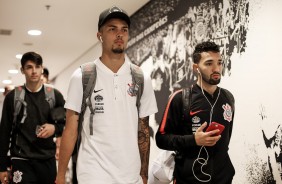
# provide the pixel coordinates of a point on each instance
(117, 152)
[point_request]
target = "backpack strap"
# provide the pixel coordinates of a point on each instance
(89, 75)
(138, 81)
(186, 100)
(18, 102)
(49, 95)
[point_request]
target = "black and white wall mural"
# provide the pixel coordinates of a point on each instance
(162, 37)
(164, 33)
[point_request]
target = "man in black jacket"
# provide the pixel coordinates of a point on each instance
(30, 140)
(202, 157)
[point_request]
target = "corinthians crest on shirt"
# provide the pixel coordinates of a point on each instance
(133, 89)
(227, 113)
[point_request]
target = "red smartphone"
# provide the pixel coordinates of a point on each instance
(214, 126)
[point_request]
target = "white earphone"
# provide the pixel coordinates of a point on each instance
(198, 70)
(100, 37)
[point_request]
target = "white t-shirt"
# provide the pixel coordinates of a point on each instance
(111, 154)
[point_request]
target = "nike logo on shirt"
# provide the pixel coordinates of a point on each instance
(97, 90)
(195, 112)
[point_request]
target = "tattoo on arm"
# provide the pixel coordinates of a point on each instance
(144, 145)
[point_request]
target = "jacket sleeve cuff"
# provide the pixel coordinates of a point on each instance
(59, 130)
(190, 140)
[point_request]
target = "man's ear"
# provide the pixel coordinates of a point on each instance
(99, 36)
(22, 70)
(195, 67)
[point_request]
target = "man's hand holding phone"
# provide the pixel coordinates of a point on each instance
(215, 126)
(45, 131)
(210, 137)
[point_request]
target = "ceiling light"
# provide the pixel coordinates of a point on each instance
(34, 32)
(13, 71)
(19, 56)
(28, 44)
(7, 81)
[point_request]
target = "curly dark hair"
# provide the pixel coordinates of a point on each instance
(204, 47)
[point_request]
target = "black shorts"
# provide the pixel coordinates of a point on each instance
(34, 171)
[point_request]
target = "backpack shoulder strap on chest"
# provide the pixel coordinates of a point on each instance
(89, 75)
(49, 95)
(138, 81)
(186, 99)
(18, 102)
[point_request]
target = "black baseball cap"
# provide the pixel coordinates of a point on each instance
(113, 12)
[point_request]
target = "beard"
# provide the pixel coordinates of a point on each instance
(118, 50)
(210, 80)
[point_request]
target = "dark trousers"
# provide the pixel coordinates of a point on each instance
(34, 171)
(227, 182)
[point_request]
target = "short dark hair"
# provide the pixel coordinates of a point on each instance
(46, 72)
(204, 47)
(31, 56)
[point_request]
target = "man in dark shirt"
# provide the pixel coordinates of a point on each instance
(202, 157)
(30, 139)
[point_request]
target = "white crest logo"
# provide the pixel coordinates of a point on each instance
(17, 176)
(227, 114)
(196, 119)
